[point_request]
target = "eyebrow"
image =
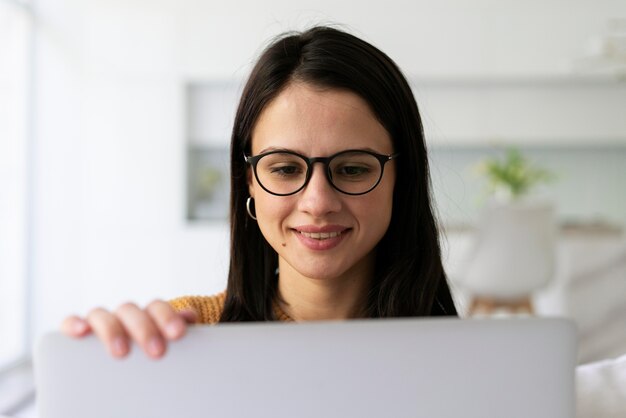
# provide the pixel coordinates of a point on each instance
(268, 149)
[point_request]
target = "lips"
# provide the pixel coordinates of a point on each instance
(321, 238)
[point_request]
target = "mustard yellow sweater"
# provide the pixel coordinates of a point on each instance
(209, 308)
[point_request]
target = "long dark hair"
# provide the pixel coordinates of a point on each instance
(409, 279)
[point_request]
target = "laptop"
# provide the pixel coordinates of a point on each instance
(447, 368)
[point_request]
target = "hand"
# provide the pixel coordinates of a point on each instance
(151, 328)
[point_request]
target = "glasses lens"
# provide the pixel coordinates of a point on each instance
(355, 172)
(281, 172)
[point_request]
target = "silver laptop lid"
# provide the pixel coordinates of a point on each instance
(431, 368)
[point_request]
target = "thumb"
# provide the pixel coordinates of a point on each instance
(189, 315)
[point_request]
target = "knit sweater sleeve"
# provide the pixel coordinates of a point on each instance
(208, 308)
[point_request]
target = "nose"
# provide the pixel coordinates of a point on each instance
(319, 198)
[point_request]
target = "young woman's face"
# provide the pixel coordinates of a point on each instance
(320, 232)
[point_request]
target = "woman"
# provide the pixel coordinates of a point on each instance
(331, 213)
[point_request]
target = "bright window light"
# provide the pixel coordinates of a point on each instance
(15, 32)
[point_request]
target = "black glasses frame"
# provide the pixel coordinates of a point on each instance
(382, 159)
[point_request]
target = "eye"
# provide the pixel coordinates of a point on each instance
(354, 166)
(286, 170)
(352, 170)
(281, 166)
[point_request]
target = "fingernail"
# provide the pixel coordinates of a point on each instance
(155, 346)
(174, 329)
(120, 346)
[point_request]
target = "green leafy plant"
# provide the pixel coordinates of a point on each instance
(513, 176)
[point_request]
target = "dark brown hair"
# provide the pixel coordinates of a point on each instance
(409, 279)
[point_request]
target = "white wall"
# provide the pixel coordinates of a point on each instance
(109, 209)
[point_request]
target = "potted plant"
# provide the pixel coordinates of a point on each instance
(513, 177)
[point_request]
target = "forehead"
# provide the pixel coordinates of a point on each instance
(316, 121)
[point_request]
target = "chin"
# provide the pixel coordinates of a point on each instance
(320, 274)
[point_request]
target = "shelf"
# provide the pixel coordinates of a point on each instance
(617, 144)
(501, 80)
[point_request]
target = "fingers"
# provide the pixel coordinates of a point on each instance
(109, 329)
(75, 326)
(144, 329)
(151, 328)
(170, 324)
(190, 316)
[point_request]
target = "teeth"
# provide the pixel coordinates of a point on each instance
(320, 235)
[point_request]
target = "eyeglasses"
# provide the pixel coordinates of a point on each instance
(353, 172)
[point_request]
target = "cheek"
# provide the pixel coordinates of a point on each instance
(271, 211)
(380, 217)
(379, 206)
(271, 215)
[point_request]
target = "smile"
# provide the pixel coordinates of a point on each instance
(320, 235)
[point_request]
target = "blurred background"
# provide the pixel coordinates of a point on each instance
(115, 119)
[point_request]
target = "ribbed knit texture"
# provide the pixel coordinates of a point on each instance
(209, 308)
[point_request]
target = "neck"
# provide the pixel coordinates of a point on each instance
(314, 299)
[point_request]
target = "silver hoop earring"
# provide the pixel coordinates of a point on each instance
(248, 208)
